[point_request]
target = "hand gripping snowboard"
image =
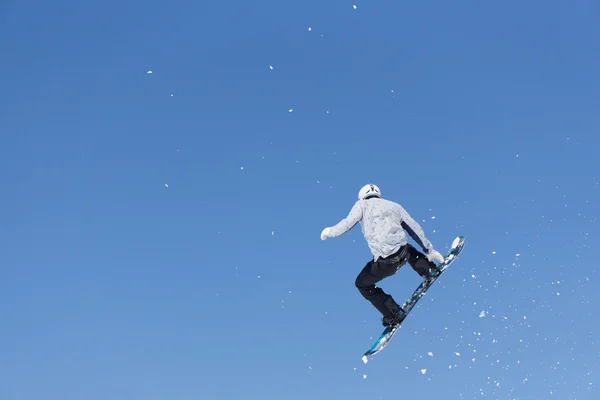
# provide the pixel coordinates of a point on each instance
(388, 333)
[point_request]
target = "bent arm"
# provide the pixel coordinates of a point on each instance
(347, 223)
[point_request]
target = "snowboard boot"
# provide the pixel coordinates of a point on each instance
(433, 272)
(396, 314)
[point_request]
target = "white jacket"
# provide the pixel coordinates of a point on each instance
(383, 223)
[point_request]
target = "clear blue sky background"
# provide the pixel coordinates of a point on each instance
(480, 118)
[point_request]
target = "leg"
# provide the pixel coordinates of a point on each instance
(419, 262)
(372, 273)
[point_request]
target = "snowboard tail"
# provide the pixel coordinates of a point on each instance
(389, 332)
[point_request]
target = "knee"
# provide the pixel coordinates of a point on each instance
(363, 283)
(360, 278)
(359, 283)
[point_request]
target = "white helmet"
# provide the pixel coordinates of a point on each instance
(369, 190)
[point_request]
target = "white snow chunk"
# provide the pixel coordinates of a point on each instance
(423, 371)
(365, 359)
(354, 6)
(309, 29)
(457, 353)
(166, 185)
(493, 252)
(291, 110)
(272, 233)
(430, 354)
(270, 67)
(149, 71)
(482, 314)
(364, 377)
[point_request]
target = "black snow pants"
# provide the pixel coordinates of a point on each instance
(376, 271)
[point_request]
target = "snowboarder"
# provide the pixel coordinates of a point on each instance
(383, 224)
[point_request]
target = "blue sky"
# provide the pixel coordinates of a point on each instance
(160, 231)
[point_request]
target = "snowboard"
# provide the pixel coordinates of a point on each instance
(388, 333)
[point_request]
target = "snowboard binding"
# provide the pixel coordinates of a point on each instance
(434, 271)
(396, 314)
(391, 321)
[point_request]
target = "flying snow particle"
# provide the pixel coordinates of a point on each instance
(149, 72)
(482, 314)
(364, 377)
(241, 167)
(270, 67)
(493, 252)
(430, 354)
(354, 6)
(166, 185)
(423, 371)
(272, 233)
(309, 29)
(457, 353)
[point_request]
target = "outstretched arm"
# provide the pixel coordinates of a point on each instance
(347, 223)
(415, 231)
